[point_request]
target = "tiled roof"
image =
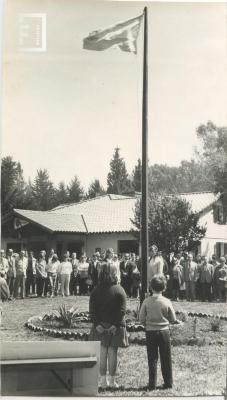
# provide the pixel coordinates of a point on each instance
(107, 213)
(200, 200)
(53, 221)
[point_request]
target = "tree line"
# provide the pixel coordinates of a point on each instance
(206, 171)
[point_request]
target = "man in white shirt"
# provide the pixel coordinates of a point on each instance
(155, 264)
(21, 268)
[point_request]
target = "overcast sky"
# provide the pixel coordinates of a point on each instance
(66, 109)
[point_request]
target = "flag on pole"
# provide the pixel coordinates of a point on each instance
(122, 36)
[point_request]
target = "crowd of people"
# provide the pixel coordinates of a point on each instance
(110, 279)
(191, 278)
(23, 275)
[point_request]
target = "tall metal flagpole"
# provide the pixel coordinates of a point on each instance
(144, 229)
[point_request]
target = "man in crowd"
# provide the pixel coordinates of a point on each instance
(3, 264)
(51, 253)
(125, 270)
(93, 270)
(31, 274)
(222, 275)
(206, 277)
(190, 277)
(21, 265)
(41, 274)
(11, 273)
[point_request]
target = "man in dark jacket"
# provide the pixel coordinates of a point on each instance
(126, 268)
(93, 269)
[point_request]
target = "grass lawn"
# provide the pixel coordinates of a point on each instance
(197, 370)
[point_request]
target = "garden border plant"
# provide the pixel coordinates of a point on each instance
(69, 316)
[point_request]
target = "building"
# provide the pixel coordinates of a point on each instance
(105, 221)
(89, 226)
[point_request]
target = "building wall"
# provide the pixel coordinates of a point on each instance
(105, 241)
(7, 242)
(67, 241)
(215, 234)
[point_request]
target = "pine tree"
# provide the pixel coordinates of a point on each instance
(43, 191)
(29, 201)
(75, 190)
(62, 195)
(95, 189)
(137, 177)
(118, 181)
(12, 185)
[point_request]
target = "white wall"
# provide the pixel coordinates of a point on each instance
(215, 233)
(105, 241)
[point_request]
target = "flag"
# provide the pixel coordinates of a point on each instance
(122, 36)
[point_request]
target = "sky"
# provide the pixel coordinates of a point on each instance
(66, 109)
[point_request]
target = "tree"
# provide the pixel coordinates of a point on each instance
(162, 178)
(75, 190)
(62, 195)
(95, 189)
(172, 224)
(190, 176)
(12, 185)
(43, 191)
(213, 151)
(193, 176)
(137, 176)
(29, 201)
(118, 181)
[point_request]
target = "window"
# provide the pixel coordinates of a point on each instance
(219, 214)
(221, 249)
(128, 246)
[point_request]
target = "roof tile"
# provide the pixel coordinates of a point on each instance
(107, 213)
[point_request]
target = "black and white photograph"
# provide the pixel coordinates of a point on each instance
(113, 257)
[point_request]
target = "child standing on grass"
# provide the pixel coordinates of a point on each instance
(155, 314)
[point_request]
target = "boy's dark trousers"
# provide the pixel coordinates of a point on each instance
(159, 341)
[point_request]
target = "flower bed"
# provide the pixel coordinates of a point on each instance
(196, 328)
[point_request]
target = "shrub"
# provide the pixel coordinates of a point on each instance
(67, 317)
(183, 316)
(215, 324)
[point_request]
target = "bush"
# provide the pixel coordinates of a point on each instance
(215, 324)
(65, 316)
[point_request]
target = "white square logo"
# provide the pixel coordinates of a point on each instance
(32, 32)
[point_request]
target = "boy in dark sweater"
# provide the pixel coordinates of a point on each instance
(155, 314)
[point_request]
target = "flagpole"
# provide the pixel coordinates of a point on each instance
(144, 229)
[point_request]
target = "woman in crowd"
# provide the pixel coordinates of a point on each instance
(64, 272)
(108, 255)
(83, 274)
(107, 309)
(116, 263)
(52, 269)
(155, 265)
